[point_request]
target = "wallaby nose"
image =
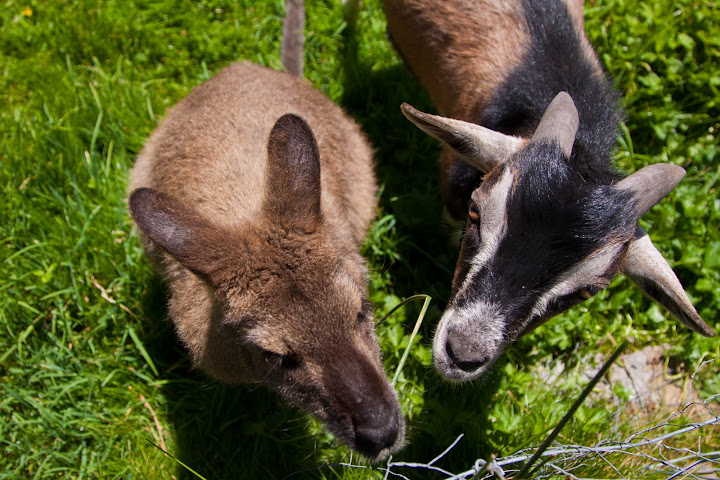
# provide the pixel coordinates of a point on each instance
(377, 431)
(460, 351)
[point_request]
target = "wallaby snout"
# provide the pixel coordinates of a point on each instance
(377, 434)
(254, 196)
(372, 420)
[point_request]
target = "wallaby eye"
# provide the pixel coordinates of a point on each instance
(588, 292)
(286, 362)
(365, 310)
(474, 213)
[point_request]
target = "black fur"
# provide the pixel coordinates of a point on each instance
(555, 62)
(555, 219)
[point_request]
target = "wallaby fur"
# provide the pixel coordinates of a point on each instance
(256, 225)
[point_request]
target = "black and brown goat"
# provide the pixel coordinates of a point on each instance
(254, 195)
(549, 221)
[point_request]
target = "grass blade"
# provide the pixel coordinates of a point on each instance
(418, 322)
(141, 348)
(188, 468)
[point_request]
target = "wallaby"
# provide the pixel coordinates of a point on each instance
(254, 195)
(529, 123)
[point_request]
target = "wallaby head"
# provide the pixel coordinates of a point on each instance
(543, 234)
(279, 298)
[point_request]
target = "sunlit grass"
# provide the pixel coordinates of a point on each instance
(92, 375)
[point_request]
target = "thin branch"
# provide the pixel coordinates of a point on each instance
(586, 391)
(447, 449)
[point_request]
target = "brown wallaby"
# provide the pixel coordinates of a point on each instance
(254, 195)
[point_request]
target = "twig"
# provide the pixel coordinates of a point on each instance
(108, 298)
(157, 422)
(452, 445)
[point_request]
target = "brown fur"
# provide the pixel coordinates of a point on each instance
(293, 37)
(261, 256)
(461, 51)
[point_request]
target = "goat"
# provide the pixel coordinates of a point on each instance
(528, 121)
(254, 195)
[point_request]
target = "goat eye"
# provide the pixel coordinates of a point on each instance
(286, 362)
(588, 292)
(474, 213)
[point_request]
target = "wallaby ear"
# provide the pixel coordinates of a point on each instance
(479, 146)
(292, 192)
(559, 123)
(651, 184)
(646, 266)
(177, 229)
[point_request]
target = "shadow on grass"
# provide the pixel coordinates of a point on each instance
(220, 431)
(408, 171)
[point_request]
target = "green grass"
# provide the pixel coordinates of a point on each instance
(92, 375)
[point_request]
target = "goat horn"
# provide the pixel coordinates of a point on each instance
(646, 266)
(481, 147)
(559, 122)
(651, 184)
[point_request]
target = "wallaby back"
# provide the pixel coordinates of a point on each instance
(216, 141)
(254, 195)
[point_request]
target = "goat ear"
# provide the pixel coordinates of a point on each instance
(175, 228)
(646, 266)
(292, 192)
(651, 184)
(479, 146)
(559, 123)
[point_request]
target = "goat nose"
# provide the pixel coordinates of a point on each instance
(376, 433)
(462, 355)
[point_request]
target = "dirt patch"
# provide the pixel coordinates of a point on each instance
(651, 381)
